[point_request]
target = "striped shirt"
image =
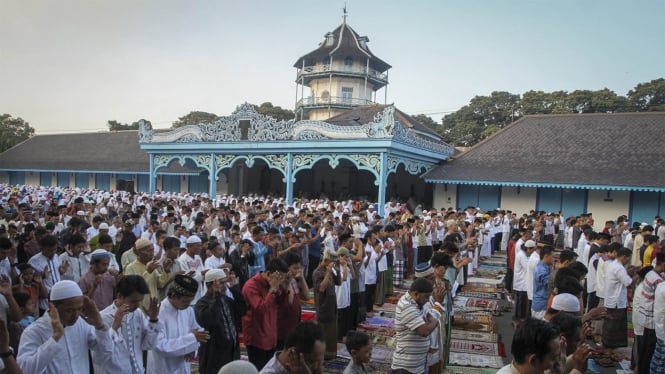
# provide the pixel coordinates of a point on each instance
(645, 310)
(411, 349)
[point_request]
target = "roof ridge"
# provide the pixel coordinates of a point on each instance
(353, 35)
(541, 115)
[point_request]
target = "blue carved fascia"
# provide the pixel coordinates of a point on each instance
(278, 162)
(200, 160)
(413, 167)
(369, 162)
(548, 185)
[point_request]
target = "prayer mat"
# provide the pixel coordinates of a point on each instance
(463, 303)
(484, 288)
(469, 359)
(474, 335)
(463, 370)
(380, 354)
(475, 347)
(483, 295)
(488, 280)
(387, 307)
(393, 299)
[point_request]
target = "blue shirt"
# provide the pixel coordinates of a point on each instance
(540, 294)
(260, 250)
(315, 246)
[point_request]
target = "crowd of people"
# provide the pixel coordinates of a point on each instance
(153, 282)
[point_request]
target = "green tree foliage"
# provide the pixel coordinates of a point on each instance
(195, 118)
(276, 112)
(485, 115)
(13, 130)
(648, 97)
(114, 125)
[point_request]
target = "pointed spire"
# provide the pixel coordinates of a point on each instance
(345, 13)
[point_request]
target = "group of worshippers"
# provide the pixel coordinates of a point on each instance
(594, 276)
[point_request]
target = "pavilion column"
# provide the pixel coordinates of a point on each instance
(289, 179)
(152, 178)
(212, 177)
(383, 180)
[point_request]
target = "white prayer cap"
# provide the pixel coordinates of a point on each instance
(530, 244)
(193, 239)
(103, 226)
(103, 211)
(450, 222)
(65, 289)
(80, 213)
(566, 302)
(238, 367)
(213, 274)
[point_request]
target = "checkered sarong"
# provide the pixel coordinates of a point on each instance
(658, 358)
(398, 274)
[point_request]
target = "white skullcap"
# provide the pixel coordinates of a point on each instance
(80, 213)
(238, 367)
(193, 239)
(566, 302)
(103, 211)
(214, 274)
(103, 226)
(65, 289)
(450, 222)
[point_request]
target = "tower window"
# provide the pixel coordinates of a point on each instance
(347, 95)
(348, 62)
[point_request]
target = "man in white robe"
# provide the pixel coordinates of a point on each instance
(181, 335)
(58, 342)
(136, 331)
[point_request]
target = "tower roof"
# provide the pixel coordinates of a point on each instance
(343, 42)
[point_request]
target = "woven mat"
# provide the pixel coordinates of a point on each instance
(380, 354)
(469, 346)
(464, 370)
(469, 359)
(464, 303)
(474, 335)
(483, 295)
(337, 366)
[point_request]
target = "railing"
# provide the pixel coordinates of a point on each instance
(332, 100)
(326, 68)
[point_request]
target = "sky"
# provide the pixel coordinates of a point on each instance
(72, 65)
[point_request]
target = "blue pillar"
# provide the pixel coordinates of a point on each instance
(289, 179)
(383, 180)
(152, 181)
(212, 176)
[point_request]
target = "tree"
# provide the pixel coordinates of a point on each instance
(275, 112)
(649, 96)
(117, 126)
(195, 118)
(13, 131)
(428, 122)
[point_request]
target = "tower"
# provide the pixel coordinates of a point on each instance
(341, 74)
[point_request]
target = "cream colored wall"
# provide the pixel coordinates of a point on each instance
(445, 197)
(324, 114)
(91, 182)
(184, 183)
(317, 86)
(607, 210)
(32, 178)
(519, 203)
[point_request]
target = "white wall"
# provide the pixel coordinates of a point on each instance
(445, 197)
(32, 178)
(607, 210)
(91, 182)
(519, 203)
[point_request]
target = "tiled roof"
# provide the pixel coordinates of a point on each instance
(104, 151)
(346, 43)
(366, 113)
(614, 150)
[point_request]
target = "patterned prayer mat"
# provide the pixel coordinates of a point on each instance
(337, 366)
(463, 370)
(483, 295)
(474, 335)
(476, 347)
(380, 354)
(464, 303)
(469, 359)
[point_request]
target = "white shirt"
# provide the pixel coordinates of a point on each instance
(343, 291)
(616, 281)
(370, 270)
(187, 264)
(534, 259)
(591, 274)
(134, 336)
(521, 263)
(600, 277)
(214, 262)
(38, 352)
(580, 247)
(174, 342)
(638, 327)
(659, 311)
(39, 262)
(77, 266)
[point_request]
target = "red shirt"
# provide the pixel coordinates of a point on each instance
(259, 324)
(511, 254)
(289, 315)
